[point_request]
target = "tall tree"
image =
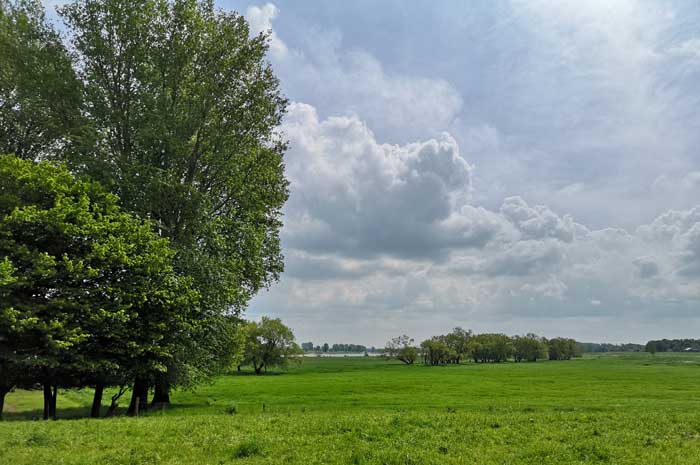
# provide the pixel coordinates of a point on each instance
(185, 109)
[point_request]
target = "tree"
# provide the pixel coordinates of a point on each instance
(436, 351)
(529, 348)
(268, 343)
(89, 295)
(458, 342)
(402, 348)
(651, 347)
(325, 347)
(40, 95)
(490, 348)
(563, 349)
(172, 106)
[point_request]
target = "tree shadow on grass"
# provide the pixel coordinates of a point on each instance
(70, 413)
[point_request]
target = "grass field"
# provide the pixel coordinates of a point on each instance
(609, 409)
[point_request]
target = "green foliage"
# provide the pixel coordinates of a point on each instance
(401, 348)
(40, 96)
(458, 341)
(172, 107)
(184, 109)
(268, 343)
(89, 292)
(588, 347)
(674, 345)
(448, 348)
(490, 348)
(651, 347)
(563, 349)
(529, 348)
(436, 351)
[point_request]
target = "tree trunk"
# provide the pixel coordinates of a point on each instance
(97, 401)
(50, 395)
(54, 396)
(161, 391)
(47, 401)
(115, 401)
(3, 392)
(140, 393)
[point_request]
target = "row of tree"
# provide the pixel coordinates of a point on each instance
(337, 348)
(673, 345)
(141, 209)
(461, 344)
(601, 347)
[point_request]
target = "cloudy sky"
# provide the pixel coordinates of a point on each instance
(514, 166)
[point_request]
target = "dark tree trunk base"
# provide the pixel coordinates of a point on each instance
(161, 393)
(52, 408)
(3, 393)
(47, 401)
(97, 401)
(138, 394)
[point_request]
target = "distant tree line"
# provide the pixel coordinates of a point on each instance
(595, 347)
(461, 344)
(337, 348)
(673, 345)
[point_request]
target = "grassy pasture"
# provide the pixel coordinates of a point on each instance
(610, 409)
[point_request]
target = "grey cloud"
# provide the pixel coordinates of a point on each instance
(537, 222)
(647, 267)
(342, 81)
(670, 224)
(391, 232)
(690, 246)
(355, 195)
(525, 258)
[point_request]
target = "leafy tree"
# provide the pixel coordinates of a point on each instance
(402, 348)
(185, 109)
(89, 295)
(40, 95)
(325, 347)
(268, 343)
(529, 348)
(458, 341)
(651, 347)
(490, 348)
(436, 351)
(563, 349)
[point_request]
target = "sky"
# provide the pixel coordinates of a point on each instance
(506, 166)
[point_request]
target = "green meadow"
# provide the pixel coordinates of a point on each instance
(604, 409)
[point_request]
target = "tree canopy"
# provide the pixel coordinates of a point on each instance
(402, 348)
(89, 293)
(268, 343)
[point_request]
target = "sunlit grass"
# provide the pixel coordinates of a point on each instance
(617, 409)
